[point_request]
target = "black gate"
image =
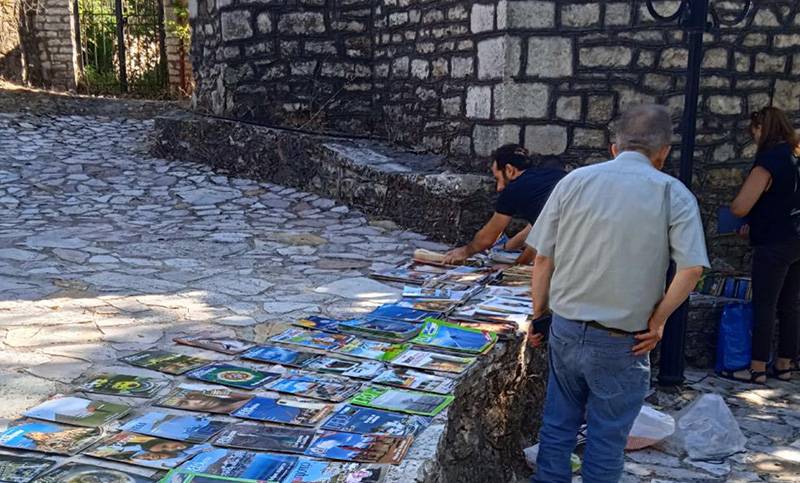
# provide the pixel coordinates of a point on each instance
(122, 46)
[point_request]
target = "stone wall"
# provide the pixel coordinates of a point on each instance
(50, 53)
(10, 55)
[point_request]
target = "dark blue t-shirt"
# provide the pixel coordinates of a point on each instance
(770, 220)
(525, 196)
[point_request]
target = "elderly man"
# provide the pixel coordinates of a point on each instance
(604, 241)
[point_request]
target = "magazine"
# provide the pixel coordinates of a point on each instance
(356, 369)
(401, 400)
(179, 475)
(500, 291)
(404, 274)
(284, 411)
(148, 451)
(314, 322)
(167, 362)
(394, 330)
(317, 386)
(124, 385)
(22, 469)
(193, 398)
(435, 294)
(372, 349)
(84, 473)
(451, 337)
(78, 411)
(399, 312)
(225, 345)
(313, 471)
(194, 429)
(357, 419)
(236, 376)
(431, 308)
(48, 437)
(260, 437)
(507, 305)
(411, 379)
(361, 448)
(242, 464)
(279, 355)
(433, 361)
(312, 338)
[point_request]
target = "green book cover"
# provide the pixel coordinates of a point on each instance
(401, 400)
(452, 337)
(185, 476)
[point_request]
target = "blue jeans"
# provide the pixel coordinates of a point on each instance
(593, 375)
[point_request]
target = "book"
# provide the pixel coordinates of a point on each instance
(179, 475)
(316, 386)
(148, 451)
(342, 367)
(312, 338)
(85, 473)
(432, 308)
(361, 448)
(279, 355)
(434, 294)
(313, 471)
(504, 330)
(260, 437)
(451, 337)
(371, 349)
(235, 376)
(467, 275)
(224, 345)
(191, 428)
(167, 362)
(419, 381)
(22, 469)
(78, 411)
(399, 312)
(193, 398)
(432, 361)
(509, 257)
(500, 291)
(48, 437)
(314, 322)
(404, 274)
(284, 411)
(727, 222)
(124, 385)
(394, 330)
(357, 419)
(234, 463)
(510, 305)
(401, 400)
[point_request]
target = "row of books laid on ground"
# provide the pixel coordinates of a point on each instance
(726, 286)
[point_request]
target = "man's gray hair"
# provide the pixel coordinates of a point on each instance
(645, 128)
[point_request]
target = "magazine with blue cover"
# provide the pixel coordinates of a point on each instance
(195, 429)
(284, 411)
(420, 381)
(242, 464)
(78, 411)
(279, 355)
(316, 386)
(314, 339)
(397, 312)
(179, 475)
(319, 323)
(313, 471)
(395, 330)
(443, 335)
(267, 438)
(358, 369)
(356, 419)
(48, 437)
(22, 469)
(362, 448)
(148, 451)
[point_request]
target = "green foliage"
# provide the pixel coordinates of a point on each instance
(179, 27)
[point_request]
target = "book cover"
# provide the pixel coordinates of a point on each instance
(314, 322)
(78, 411)
(148, 451)
(179, 475)
(433, 361)
(48, 437)
(385, 328)
(433, 308)
(358, 419)
(224, 345)
(312, 338)
(191, 428)
(124, 385)
(435, 294)
(284, 411)
(416, 380)
(444, 335)
(507, 305)
(84, 473)
(167, 362)
(361, 448)
(404, 274)
(235, 376)
(242, 464)
(217, 400)
(401, 400)
(316, 386)
(313, 471)
(500, 291)
(372, 349)
(279, 355)
(355, 369)
(399, 312)
(261, 437)
(22, 469)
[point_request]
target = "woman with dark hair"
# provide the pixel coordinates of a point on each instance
(767, 199)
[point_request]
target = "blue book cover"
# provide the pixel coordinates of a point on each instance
(313, 471)
(727, 222)
(284, 411)
(317, 386)
(447, 336)
(195, 429)
(49, 437)
(742, 288)
(242, 464)
(394, 329)
(396, 312)
(319, 323)
(354, 419)
(279, 355)
(729, 289)
(362, 448)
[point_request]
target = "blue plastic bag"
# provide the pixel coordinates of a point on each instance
(735, 337)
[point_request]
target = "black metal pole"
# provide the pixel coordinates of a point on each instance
(123, 70)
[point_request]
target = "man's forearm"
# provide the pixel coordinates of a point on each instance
(540, 284)
(682, 285)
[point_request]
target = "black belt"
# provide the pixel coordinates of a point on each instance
(596, 325)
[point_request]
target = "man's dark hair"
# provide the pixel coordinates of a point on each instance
(512, 154)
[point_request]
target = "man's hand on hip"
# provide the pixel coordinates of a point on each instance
(650, 339)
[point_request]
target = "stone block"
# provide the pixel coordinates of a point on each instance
(461, 67)
(459, 12)
(549, 139)
(514, 100)
(236, 25)
(787, 95)
(302, 23)
(486, 139)
(420, 68)
(770, 63)
(398, 18)
(765, 17)
(303, 68)
(580, 15)
(549, 57)
(439, 68)
(498, 57)
(264, 23)
(479, 102)
(725, 105)
(754, 40)
(526, 14)
(646, 59)
(589, 138)
(741, 62)
(481, 18)
(715, 59)
(664, 7)
(600, 108)
(605, 56)
(569, 108)
(400, 67)
(618, 14)
(782, 41)
(674, 58)
(451, 106)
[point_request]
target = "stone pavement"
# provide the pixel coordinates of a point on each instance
(105, 251)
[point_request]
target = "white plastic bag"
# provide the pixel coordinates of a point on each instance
(650, 427)
(707, 430)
